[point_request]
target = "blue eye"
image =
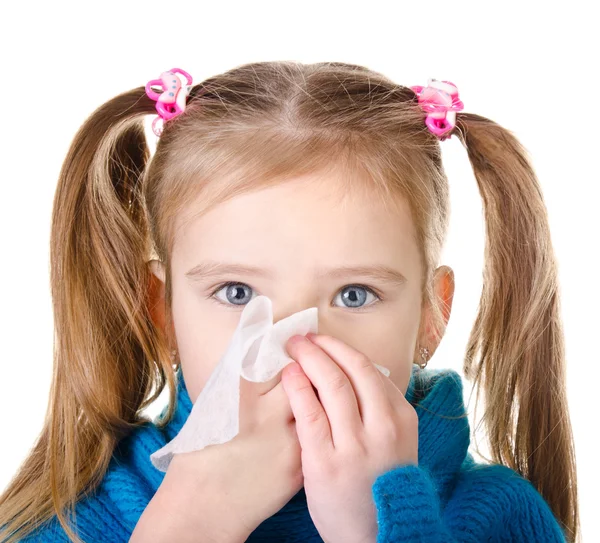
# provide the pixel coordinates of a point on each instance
(236, 294)
(356, 295)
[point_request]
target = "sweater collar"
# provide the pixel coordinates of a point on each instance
(444, 431)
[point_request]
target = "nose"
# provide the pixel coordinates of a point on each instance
(283, 310)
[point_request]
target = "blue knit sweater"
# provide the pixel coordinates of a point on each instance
(446, 498)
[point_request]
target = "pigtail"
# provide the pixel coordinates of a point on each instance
(108, 361)
(516, 348)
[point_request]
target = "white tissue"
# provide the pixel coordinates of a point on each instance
(257, 352)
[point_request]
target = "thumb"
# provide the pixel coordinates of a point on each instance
(253, 390)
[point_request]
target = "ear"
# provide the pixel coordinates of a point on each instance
(156, 293)
(444, 290)
(443, 279)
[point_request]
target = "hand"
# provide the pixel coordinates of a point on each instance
(247, 479)
(359, 427)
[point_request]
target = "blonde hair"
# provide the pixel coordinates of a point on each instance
(248, 128)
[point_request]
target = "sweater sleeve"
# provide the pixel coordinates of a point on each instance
(531, 518)
(94, 522)
(408, 507)
(490, 504)
(109, 514)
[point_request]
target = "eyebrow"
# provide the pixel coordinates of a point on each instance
(210, 268)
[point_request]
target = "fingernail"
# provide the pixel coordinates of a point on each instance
(311, 336)
(294, 368)
(297, 339)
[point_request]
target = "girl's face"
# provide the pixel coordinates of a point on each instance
(297, 238)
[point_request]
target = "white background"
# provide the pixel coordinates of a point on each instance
(530, 66)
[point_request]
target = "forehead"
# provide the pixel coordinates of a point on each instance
(314, 216)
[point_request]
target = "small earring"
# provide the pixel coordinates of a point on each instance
(424, 357)
(174, 364)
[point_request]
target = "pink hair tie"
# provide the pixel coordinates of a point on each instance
(439, 99)
(170, 102)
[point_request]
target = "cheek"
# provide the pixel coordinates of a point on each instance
(200, 352)
(202, 339)
(402, 378)
(391, 344)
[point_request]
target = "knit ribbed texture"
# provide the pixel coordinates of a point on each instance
(446, 498)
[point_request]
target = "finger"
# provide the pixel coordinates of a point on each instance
(395, 395)
(278, 401)
(250, 392)
(253, 393)
(312, 423)
(367, 381)
(336, 393)
(400, 405)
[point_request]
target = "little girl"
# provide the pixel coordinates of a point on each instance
(304, 183)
